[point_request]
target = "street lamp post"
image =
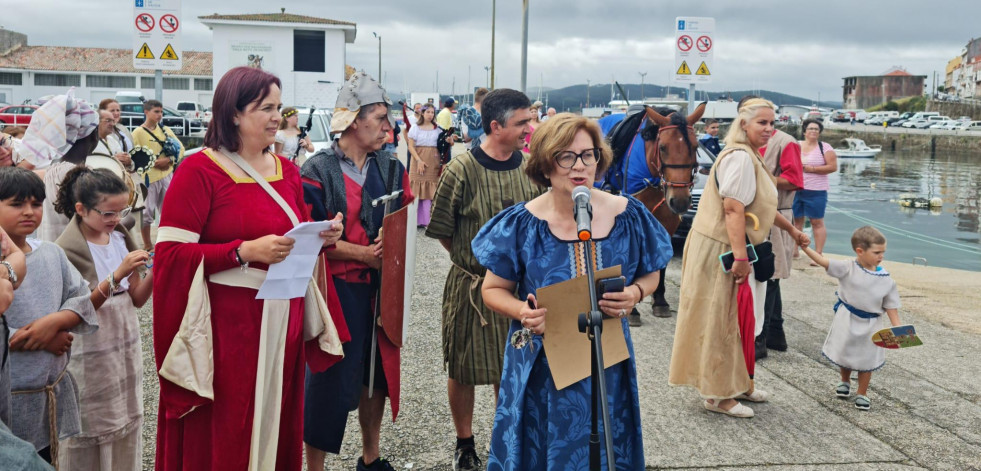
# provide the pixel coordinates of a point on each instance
(379, 54)
(524, 46)
(642, 75)
(493, 32)
(587, 93)
(487, 73)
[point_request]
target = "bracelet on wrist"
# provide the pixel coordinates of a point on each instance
(238, 257)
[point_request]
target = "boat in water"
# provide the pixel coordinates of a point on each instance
(856, 148)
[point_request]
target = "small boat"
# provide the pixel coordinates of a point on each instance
(857, 149)
(909, 200)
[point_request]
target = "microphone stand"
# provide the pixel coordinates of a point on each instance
(591, 324)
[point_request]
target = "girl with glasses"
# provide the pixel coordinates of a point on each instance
(107, 364)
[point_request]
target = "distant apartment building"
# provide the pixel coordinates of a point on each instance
(30, 72)
(871, 90)
(963, 77)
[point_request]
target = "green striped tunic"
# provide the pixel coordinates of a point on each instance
(468, 195)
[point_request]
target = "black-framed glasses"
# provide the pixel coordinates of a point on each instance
(567, 159)
(110, 215)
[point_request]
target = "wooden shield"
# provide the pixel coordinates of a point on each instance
(652, 196)
(397, 261)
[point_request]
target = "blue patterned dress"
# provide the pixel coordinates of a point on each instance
(537, 427)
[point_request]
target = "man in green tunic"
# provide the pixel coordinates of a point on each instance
(473, 188)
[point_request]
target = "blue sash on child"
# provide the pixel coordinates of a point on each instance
(854, 310)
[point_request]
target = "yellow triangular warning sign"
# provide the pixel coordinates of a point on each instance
(144, 52)
(170, 55)
(683, 70)
(703, 70)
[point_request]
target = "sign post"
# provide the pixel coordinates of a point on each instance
(157, 38)
(693, 52)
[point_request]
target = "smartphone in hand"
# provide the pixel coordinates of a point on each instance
(727, 259)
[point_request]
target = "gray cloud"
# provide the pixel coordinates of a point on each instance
(802, 48)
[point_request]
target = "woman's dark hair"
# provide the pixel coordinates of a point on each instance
(235, 91)
(499, 105)
(81, 149)
(809, 121)
(86, 186)
(104, 104)
(20, 184)
(422, 114)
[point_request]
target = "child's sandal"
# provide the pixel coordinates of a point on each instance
(843, 389)
(862, 402)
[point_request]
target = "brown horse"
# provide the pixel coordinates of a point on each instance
(671, 157)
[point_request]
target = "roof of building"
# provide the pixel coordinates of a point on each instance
(896, 71)
(95, 59)
(277, 18)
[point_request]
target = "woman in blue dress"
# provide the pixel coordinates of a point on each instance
(532, 245)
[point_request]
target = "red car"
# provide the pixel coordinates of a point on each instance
(16, 115)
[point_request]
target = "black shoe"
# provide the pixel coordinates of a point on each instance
(466, 459)
(633, 319)
(776, 341)
(380, 464)
(760, 348)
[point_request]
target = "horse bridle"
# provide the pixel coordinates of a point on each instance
(665, 183)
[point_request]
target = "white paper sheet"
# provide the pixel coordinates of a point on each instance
(288, 279)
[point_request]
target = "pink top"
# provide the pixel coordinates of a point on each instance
(814, 181)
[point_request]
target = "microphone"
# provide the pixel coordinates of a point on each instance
(583, 211)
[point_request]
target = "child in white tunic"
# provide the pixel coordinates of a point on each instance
(108, 364)
(865, 292)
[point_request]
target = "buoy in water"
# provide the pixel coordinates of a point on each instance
(907, 200)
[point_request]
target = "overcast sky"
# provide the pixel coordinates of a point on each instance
(802, 48)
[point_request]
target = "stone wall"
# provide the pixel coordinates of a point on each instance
(899, 141)
(955, 109)
(10, 40)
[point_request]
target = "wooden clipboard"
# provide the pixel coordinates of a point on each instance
(567, 349)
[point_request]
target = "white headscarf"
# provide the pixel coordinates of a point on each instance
(55, 127)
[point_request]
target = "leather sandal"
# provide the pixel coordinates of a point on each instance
(737, 410)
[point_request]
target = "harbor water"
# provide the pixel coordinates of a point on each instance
(865, 191)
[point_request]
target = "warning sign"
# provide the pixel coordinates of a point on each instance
(144, 52)
(694, 45)
(704, 43)
(145, 22)
(684, 70)
(169, 23)
(170, 55)
(684, 42)
(702, 69)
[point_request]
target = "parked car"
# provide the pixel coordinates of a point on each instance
(16, 115)
(130, 96)
(319, 133)
(941, 123)
(705, 160)
(190, 109)
(132, 116)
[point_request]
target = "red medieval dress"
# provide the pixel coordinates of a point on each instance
(217, 212)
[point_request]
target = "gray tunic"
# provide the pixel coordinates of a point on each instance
(52, 284)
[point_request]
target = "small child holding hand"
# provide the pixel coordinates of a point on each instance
(865, 292)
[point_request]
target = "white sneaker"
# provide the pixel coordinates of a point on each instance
(737, 410)
(758, 395)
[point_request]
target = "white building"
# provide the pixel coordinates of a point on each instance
(30, 72)
(307, 54)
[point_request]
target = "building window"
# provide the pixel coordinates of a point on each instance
(202, 84)
(11, 78)
(110, 81)
(58, 80)
(309, 50)
(174, 83)
(147, 83)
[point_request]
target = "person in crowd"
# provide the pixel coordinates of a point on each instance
(344, 179)
(473, 336)
(6, 150)
(551, 112)
(19, 454)
(425, 162)
(168, 151)
(107, 365)
(819, 160)
(865, 293)
(109, 155)
(471, 118)
(711, 138)
(234, 399)
(445, 117)
(781, 155)
(532, 245)
(12, 272)
(50, 306)
(63, 131)
(713, 330)
(121, 141)
(288, 142)
(536, 121)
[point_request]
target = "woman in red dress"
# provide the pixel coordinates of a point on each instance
(231, 366)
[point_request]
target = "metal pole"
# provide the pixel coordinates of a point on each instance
(524, 46)
(469, 88)
(158, 79)
(587, 93)
(493, 31)
(642, 95)
(379, 55)
(487, 76)
(691, 97)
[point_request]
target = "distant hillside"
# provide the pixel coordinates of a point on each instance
(574, 97)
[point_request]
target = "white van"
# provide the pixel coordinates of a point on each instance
(923, 115)
(132, 96)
